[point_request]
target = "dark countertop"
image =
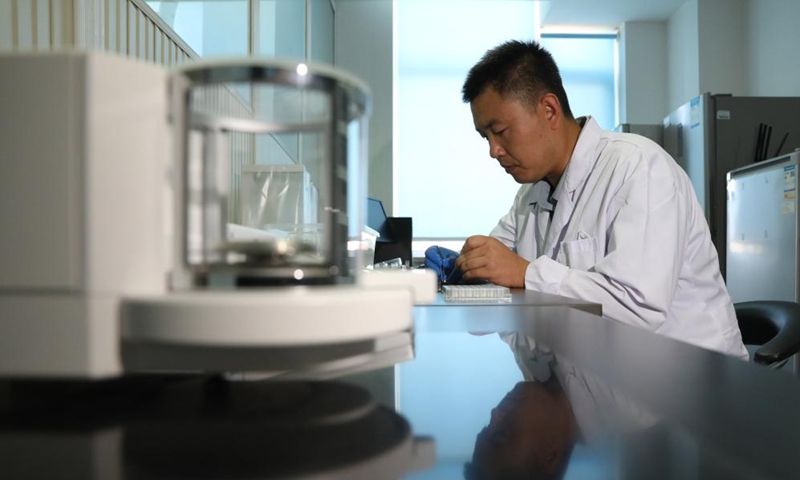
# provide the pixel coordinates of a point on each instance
(646, 406)
(610, 401)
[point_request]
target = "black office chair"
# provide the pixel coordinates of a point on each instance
(773, 326)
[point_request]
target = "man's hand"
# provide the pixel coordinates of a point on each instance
(443, 261)
(486, 258)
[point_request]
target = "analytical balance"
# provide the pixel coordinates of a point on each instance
(187, 222)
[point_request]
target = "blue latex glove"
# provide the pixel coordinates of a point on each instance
(443, 261)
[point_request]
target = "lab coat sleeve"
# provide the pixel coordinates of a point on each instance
(635, 278)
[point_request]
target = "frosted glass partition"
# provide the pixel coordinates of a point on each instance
(281, 33)
(445, 178)
(588, 76)
(210, 27)
(320, 48)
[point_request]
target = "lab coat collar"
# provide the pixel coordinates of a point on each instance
(540, 195)
(578, 167)
(582, 159)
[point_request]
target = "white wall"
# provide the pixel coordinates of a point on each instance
(683, 62)
(773, 47)
(741, 47)
(643, 72)
(722, 46)
(363, 37)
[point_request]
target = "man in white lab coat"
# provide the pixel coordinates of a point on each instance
(604, 217)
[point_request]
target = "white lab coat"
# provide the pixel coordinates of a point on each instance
(598, 408)
(628, 233)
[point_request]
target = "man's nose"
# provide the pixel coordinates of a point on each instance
(495, 150)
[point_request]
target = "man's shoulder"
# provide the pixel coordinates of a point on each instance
(635, 151)
(632, 144)
(628, 156)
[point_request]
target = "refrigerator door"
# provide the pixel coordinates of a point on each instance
(736, 131)
(762, 230)
(714, 134)
(687, 138)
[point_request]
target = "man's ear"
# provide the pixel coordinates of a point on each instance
(552, 109)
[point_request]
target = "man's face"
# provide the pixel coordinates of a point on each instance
(524, 430)
(519, 135)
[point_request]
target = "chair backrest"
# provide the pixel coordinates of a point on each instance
(772, 325)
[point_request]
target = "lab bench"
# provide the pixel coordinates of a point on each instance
(646, 406)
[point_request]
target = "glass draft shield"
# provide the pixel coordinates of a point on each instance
(271, 160)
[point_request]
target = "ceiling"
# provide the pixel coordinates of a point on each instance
(606, 13)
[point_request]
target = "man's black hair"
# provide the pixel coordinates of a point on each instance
(517, 69)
